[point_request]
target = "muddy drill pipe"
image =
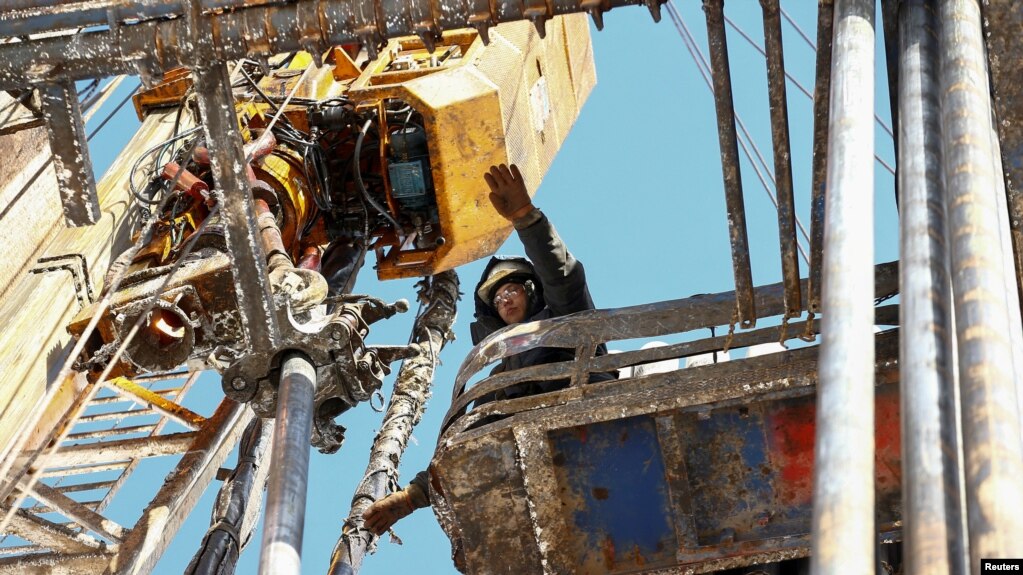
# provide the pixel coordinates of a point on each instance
(408, 402)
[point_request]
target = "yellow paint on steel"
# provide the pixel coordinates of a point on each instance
(185, 416)
(512, 101)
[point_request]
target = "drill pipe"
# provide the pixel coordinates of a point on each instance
(408, 402)
(930, 479)
(843, 483)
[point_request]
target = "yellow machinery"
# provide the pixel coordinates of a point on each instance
(383, 154)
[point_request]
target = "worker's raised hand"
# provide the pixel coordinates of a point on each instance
(384, 513)
(508, 192)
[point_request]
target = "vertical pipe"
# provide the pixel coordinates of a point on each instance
(228, 162)
(718, 45)
(289, 469)
(404, 411)
(930, 478)
(990, 417)
(843, 498)
(822, 87)
(1012, 300)
(782, 156)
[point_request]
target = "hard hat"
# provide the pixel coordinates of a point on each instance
(501, 273)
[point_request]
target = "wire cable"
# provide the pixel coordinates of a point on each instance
(357, 172)
(704, 68)
(806, 92)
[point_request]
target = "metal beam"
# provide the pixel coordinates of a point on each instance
(66, 130)
(718, 45)
(121, 450)
(782, 156)
(821, 121)
(55, 563)
(50, 535)
(238, 29)
(182, 489)
(156, 401)
(251, 286)
(843, 533)
(76, 511)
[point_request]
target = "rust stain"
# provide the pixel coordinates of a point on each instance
(607, 547)
(600, 493)
(637, 556)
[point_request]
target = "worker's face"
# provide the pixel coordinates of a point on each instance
(510, 303)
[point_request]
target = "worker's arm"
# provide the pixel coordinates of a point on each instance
(562, 276)
(384, 513)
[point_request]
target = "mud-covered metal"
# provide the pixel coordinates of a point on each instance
(347, 371)
(66, 130)
(228, 161)
(736, 212)
(412, 389)
(782, 156)
(165, 35)
(648, 320)
(821, 98)
(685, 471)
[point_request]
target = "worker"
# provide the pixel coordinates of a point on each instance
(512, 290)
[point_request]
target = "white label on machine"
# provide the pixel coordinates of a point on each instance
(540, 102)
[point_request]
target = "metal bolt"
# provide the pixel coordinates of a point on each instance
(335, 335)
(238, 384)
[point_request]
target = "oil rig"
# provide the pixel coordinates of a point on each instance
(284, 141)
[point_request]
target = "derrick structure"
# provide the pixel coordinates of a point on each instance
(952, 67)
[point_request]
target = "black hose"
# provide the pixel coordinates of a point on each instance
(362, 186)
(143, 155)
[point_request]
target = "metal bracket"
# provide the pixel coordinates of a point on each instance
(79, 269)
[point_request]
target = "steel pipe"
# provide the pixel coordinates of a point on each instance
(718, 45)
(822, 86)
(843, 535)
(782, 156)
(289, 468)
(934, 538)
(990, 414)
(1012, 299)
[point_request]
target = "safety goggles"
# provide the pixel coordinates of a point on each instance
(507, 293)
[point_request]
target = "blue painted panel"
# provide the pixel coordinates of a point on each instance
(613, 490)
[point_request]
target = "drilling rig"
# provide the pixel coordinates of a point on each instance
(284, 142)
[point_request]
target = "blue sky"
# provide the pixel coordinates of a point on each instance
(636, 193)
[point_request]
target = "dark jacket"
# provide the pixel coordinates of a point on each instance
(561, 291)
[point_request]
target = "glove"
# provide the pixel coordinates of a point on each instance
(508, 192)
(384, 513)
